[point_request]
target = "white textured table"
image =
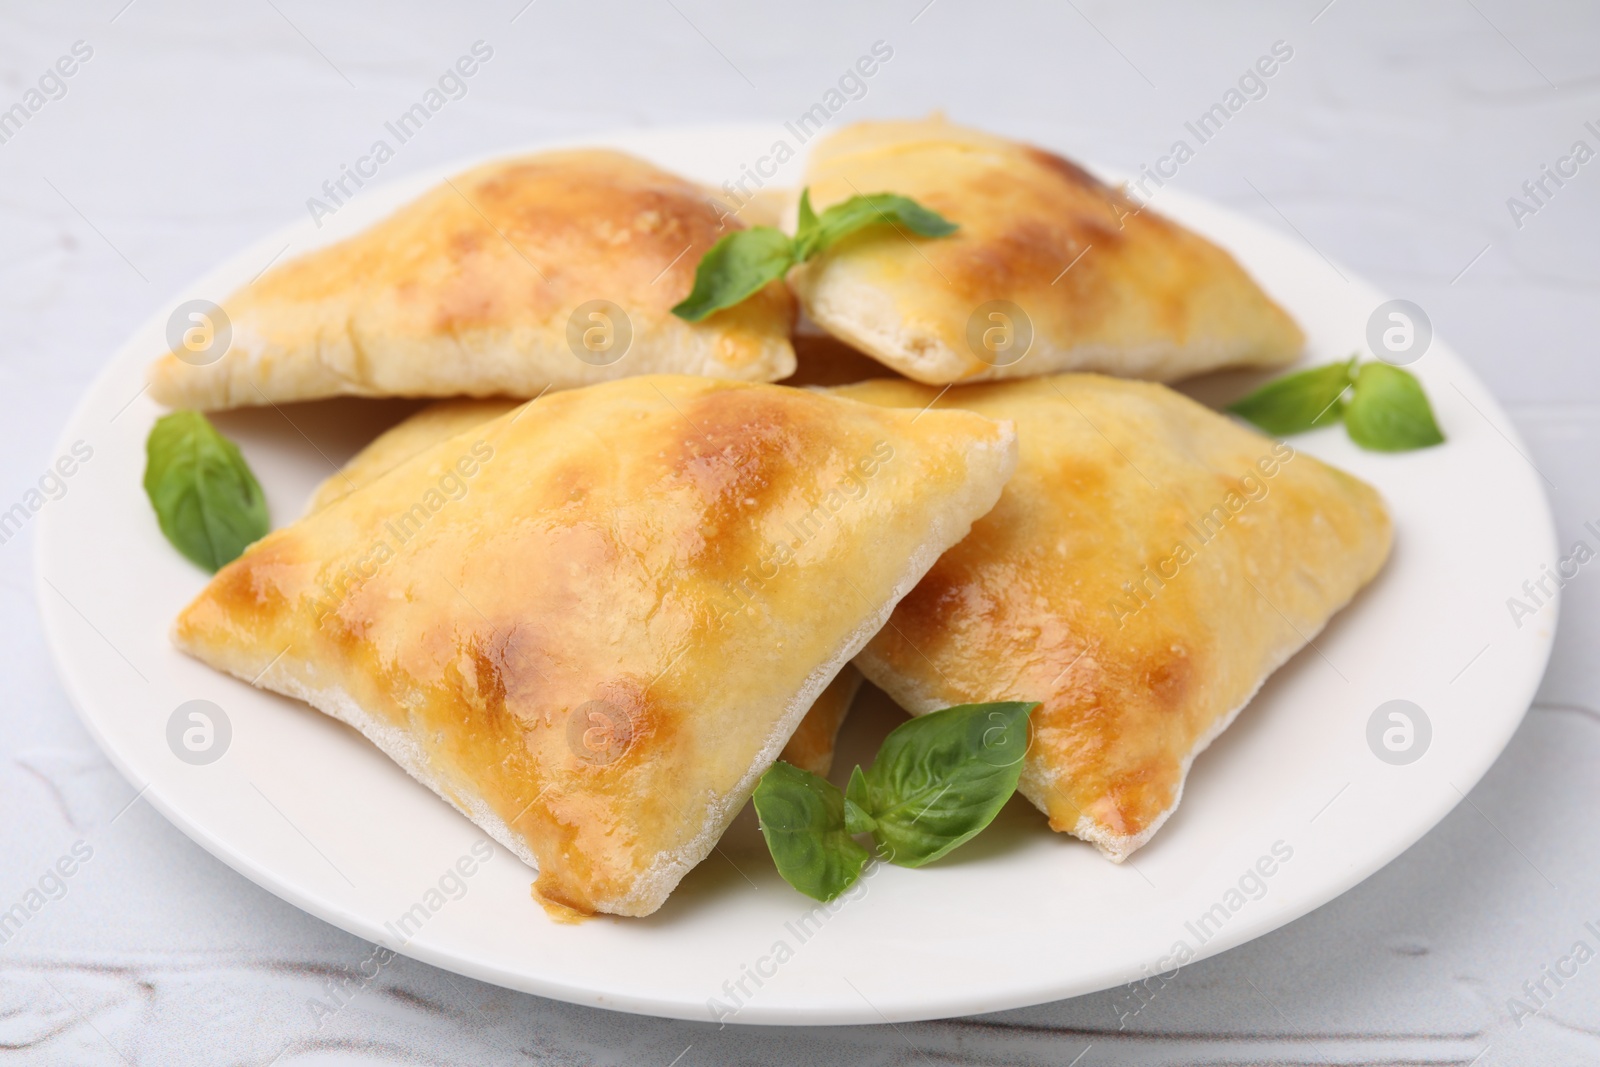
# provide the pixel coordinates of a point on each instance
(1390, 140)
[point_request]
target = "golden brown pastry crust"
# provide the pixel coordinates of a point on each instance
(1143, 298)
(468, 291)
(591, 623)
(1148, 566)
(811, 747)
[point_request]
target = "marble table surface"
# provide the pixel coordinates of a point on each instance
(1397, 140)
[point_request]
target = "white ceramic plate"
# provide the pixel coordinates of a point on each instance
(306, 808)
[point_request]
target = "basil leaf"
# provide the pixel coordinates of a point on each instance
(206, 500)
(941, 778)
(736, 266)
(845, 218)
(807, 229)
(802, 818)
(1389, 411)
(857, 818)
(1298, 402)
(744, 261)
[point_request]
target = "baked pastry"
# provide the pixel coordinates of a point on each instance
(811, 747)
(490, 284)
(1050, 269)
(591, 623)
(1149, 565)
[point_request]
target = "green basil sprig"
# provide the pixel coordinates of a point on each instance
(936, 782)
(1388, 411)
(1383, 408)
(745, 260)
(802, 818)
(1298, 402)
(208, 503)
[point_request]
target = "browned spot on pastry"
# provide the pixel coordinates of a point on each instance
(521, 652)
(1169, 679)
(735, 452)
(553, 207)
(1017, 253)
(995, 265)
(489, 688)
(464, 244)
(255, 581)
(646, 726)
(932, 604)
(1066, 169)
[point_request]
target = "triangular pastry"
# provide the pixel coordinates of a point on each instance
(1050, 270)
(1149, 565)
(591, 623)
(811, 747)
(490, 284)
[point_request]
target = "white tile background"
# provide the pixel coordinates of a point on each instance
(1391, 141)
